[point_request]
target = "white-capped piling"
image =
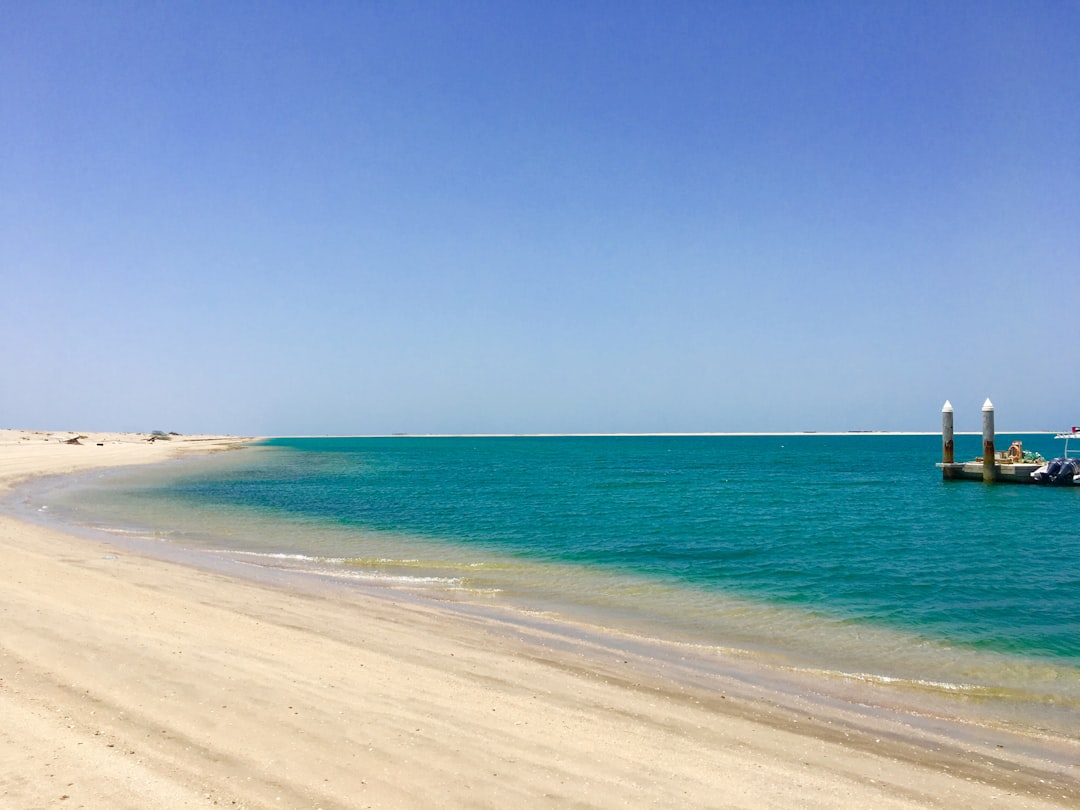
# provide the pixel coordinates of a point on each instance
(988, 441)
(1009, 468)
(947, 433)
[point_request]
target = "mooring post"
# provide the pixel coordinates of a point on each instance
(988, 441)
(947, 433)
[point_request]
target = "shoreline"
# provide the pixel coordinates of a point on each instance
(138, 682)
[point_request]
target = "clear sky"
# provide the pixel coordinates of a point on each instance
(373, 217)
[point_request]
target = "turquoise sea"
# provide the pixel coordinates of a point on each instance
(845, 556)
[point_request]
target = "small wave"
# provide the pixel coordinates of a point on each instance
(276, 555)
(969, 690)
(361, 562)
(136, 534)
(372, 576)
(125, 532)
(917, 683)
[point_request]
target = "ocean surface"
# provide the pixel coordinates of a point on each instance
(845, 556)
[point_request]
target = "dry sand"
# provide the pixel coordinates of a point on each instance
(130, 682)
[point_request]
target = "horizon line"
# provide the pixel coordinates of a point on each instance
(648, 434)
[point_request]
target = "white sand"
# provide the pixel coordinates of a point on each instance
(128, 682)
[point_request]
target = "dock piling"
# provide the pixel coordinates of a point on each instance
(947, 433)
(988, 441)
(1009, 468)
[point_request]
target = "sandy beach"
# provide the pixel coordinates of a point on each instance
(132, 682)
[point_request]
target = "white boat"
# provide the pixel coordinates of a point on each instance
(1063, 470)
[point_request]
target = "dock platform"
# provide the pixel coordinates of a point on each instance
(973, 471)
(1013, 466)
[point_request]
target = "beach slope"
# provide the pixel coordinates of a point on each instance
(131, 682)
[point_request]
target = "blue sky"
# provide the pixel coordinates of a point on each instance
(270, 218)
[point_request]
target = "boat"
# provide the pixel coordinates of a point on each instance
(1063, 470)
